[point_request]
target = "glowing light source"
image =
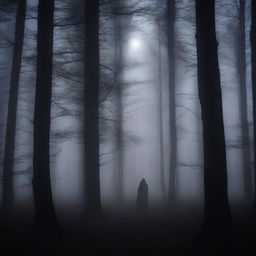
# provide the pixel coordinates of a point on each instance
(135, 43)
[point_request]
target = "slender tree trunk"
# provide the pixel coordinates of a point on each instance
(12, 107)
(253, 61)
(173, 133)
(160, 117)
(200, 150)
(119, 95)
(44, 215)
(217, 217)
(243, 102)
(91, 111)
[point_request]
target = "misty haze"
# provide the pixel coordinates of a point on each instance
(127, 127)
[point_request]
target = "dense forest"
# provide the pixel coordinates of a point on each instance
(127, 127)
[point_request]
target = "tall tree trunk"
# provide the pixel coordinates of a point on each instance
(217, 217)
(119, 95)
(160, 117)
(243, 103)
(12, 107)
(200, 150)
(91, 111)
(253, 61)
(173, 133)
(44, 215)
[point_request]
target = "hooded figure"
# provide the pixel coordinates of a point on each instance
(142, 196)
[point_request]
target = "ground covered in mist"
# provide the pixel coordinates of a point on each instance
(130, 233)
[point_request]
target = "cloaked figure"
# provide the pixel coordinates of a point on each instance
(142, 195)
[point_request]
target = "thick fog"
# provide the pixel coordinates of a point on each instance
(145, 101)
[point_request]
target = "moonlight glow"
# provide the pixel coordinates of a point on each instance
(135, 43)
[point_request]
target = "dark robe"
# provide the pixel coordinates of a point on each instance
(142, 195)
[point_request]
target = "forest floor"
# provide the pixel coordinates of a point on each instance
(145, 233)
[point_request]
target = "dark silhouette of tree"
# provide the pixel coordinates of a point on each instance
(91, 108)
(44, 213)
(160, 114)
(253, 61)
(119, 96)
(12, 107)
(217, 217)
(241, 62)
(173, 133)
(117, 9)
